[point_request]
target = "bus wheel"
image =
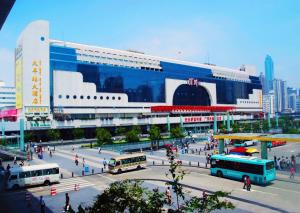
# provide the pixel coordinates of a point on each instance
(139, 167)
(16, 186)
(47, 183)
(119, 171)
(219, 174)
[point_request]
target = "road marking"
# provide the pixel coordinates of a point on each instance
(108, 178)
(254, 190)
(288, 190)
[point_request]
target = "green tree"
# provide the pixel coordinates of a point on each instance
(120, 130)
(177, 132)
(132, 136)
(103, 136)
(207, 203)
(128, 196)
(222, 128)
(235, 127)
(78, 133)
(53, 134)
(137, 129)
(155, 135)
(28, 136)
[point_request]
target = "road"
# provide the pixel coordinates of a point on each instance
(280, 196)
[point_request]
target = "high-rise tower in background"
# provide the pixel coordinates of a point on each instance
(269, 73)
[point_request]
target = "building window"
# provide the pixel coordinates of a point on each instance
(88, 97)
(67, 96)
(60, 96)
(107, 98)
(95, 97)
(119, 98)
(81, 97)
(74, 96)
(113, 97)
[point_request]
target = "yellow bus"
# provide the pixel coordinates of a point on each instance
(122, 163)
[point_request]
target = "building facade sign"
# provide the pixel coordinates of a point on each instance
(196, 119)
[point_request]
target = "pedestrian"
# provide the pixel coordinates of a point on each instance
(48, 148)
(15, 160)
(292, 170)
(275, 161)
(245, 182)
(72, 148)
(288, 163)
(168, 196)
(99, 150)
(104, 163)
(248, 182)
(278, 163)
(50, 153)
(83, 162)
(67, 204)
(8, 167)
(76, 160)
(42, 204)
(151, 151)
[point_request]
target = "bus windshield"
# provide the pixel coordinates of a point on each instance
(112, 162)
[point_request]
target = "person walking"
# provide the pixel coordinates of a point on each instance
(67, 203)
(292, 170)
(76, 160)
(168, 196)
(42, 204)
(104, 163)
(99, 150)
(50, 153)
(15, 160)
(248, 182)
(83, 162)
(245, 182)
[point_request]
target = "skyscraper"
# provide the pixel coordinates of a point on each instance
(269, 73)
(280, 93)
(263, 83)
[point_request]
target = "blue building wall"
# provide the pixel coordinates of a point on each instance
(146, 85)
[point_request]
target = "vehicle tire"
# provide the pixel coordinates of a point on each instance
(47, 183)
(139, 167)
(15, 187)
(219, 174)
(119, 171)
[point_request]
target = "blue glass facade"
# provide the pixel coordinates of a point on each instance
(148, 85)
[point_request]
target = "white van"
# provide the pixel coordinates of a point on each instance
(33, 175)
(250, 143)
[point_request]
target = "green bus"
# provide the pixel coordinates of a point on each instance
(237, 167)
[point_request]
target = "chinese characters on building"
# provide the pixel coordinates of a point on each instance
(192, 82)
(36, 91)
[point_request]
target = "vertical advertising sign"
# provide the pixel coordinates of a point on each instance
(36, 80)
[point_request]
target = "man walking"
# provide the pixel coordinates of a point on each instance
(42, 204)
(104, 163)
(292, 170)
(67, 204)
(168, 196)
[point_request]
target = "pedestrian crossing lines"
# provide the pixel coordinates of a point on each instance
(66, 185)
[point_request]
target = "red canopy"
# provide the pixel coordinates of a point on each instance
(239, 149)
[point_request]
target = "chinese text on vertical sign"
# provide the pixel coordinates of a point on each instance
(36, 91)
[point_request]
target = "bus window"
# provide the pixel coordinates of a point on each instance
(55, 171)
(270, 165)
(36, 173)
(24, 174)
(47, 171)
(118, 163)
(13, 177)
(112, 162)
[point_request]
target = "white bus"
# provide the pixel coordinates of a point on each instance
(33, 175)
(127, 162)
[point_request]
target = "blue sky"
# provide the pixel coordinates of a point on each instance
(225, 32)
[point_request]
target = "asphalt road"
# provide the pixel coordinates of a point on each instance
(280, 196)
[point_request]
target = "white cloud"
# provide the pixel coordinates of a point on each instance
(7, 66)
